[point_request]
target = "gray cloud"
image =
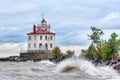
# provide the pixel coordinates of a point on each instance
(18, 9)
(70, 19)
(67, 20)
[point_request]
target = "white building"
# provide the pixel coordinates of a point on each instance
(41, 39)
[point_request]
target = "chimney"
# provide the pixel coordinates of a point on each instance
(34, 28)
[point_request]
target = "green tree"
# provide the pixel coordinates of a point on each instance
(96, 34)
(110, 48)
(105, 51)
(94, 50)
(69, 53)
(56, 52)
(102, 49)
(113, 45)
(88, 53)
(91, 52)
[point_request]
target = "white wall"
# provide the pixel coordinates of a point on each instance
(43, 41)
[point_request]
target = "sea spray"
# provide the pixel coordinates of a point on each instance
(87, 68)
(76, 63)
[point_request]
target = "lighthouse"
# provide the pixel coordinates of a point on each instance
(41, 38)
(40, 42)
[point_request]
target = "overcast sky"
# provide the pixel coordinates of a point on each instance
(69, 19)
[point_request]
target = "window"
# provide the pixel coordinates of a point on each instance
(40, 45)
(34, 45)
(45, 37)
(40, 37)
(29, 45)
(46, 46)
(50, 37)
(51, 45)
(29, 37)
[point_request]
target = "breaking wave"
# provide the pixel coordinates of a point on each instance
(86, 68)
(70, 69)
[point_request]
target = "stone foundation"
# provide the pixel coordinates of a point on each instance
(36, 55)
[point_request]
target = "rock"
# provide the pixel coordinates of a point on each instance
(117, 67)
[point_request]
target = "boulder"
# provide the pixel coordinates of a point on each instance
(117, 67)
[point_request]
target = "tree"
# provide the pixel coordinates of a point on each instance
(113, 45)
(98, 50)
(83, 52)
(95, 47)
(105, 51)
(102, 49)
(88, 53)
(110, 48)
(91, 52)
(69, 53)
(96, 34)
(56, 52)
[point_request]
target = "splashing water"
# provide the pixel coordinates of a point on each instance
(86, 68)
(47, 62)
(70, 69)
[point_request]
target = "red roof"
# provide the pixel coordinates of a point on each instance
(41, 32)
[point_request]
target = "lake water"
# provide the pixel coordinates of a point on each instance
(71, 69)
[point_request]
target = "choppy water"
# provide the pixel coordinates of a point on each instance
(71, 69)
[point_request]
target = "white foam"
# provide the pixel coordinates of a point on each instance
(47, 62)
(87, 68)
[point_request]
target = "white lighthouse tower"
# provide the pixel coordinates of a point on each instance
(41, 40)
